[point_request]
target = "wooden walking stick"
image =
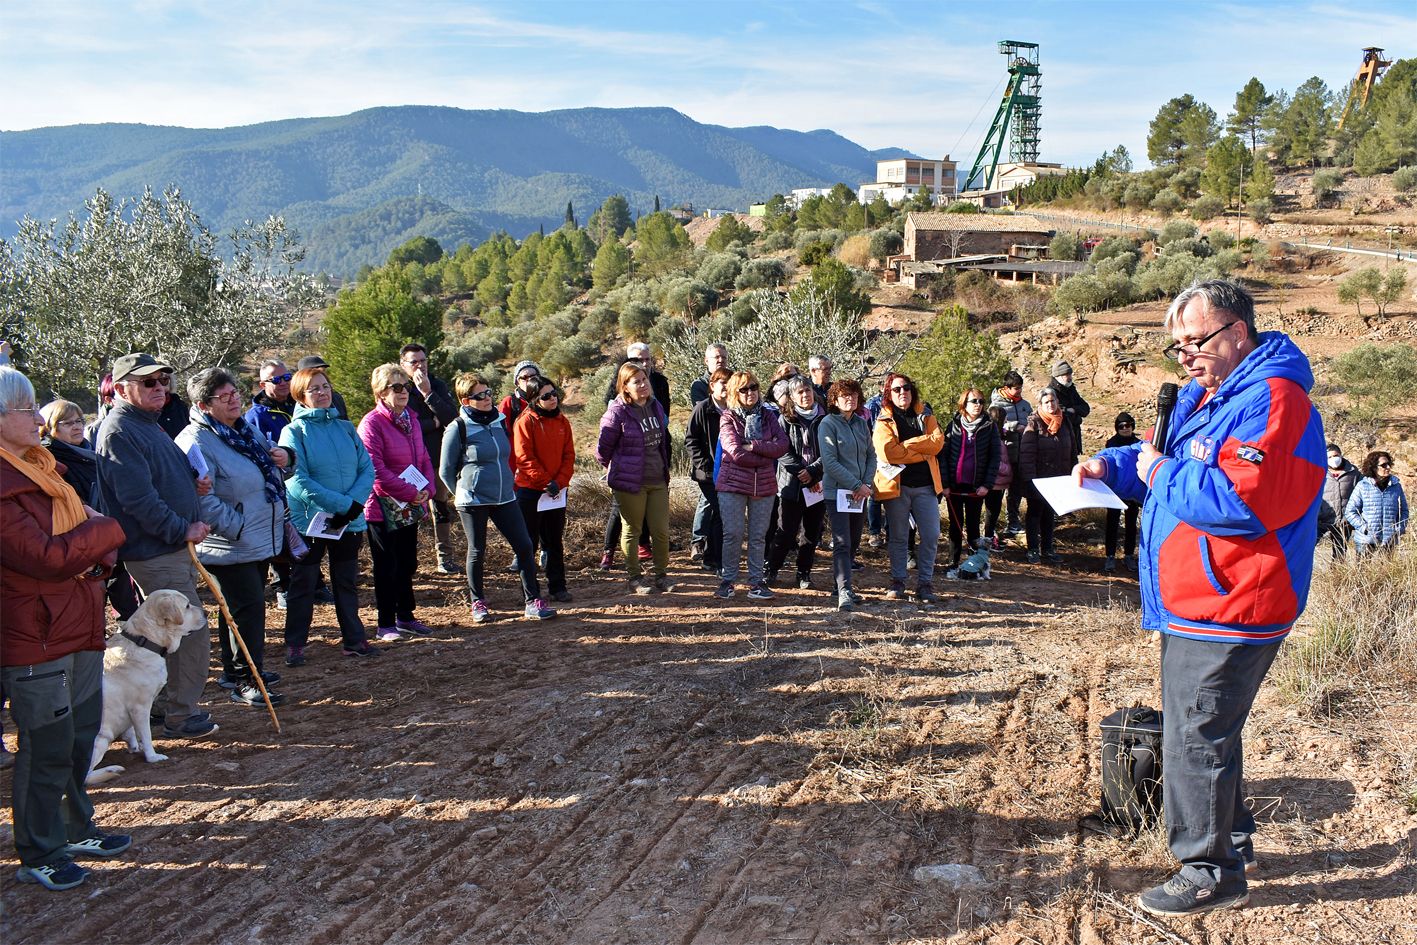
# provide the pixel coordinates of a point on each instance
(235, 635)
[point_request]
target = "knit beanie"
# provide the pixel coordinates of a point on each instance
(522, 366)
(1061, 368)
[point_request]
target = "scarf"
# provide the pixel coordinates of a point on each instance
(1054, 422)
(556, 412)
(972, 426)
(481, 417)
(403, 421)
(1011, 398)
(242, 440)
(752, 421)
(41, 468)
(807, 415)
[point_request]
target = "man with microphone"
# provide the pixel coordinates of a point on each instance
(1229, 520)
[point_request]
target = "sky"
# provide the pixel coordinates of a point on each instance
(926, 77)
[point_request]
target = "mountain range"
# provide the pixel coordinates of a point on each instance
(355, 186)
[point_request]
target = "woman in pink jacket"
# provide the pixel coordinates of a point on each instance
(751, 439)
(395, 443)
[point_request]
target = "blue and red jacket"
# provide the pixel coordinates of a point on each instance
(1230, 515)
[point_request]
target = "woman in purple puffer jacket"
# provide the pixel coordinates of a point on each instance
(634, 447)
(751, 440)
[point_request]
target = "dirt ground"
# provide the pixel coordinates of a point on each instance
(682, 769)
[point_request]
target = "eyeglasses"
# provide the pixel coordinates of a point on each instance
(156, 380)
(415, 362)
(278, 378)
(480, 395)
(398, 388)
(230, 396)
(69, 423)
(29, 410)
(549, 395)
(1193, 348)
(1124, 426)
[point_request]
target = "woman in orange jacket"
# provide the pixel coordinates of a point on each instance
(545, 458)
(908, 485)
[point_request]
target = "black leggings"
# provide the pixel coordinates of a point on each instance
(792, 517)
(395, 555)
(1114, 527)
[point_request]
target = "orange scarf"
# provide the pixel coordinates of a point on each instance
(1054, 423)
(39, 466)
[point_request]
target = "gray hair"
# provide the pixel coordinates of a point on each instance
(798, 382)
(273, 363)
(718, 346)
(818, 361)
(203, 385)
(16, 391)
(1220, 295)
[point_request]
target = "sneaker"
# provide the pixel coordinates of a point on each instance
(897, 591)
(1033, 557)
(513, 568)
(105, 844)
(804, 583)
(323, 595)
(536, 609)
(449, 567)
(760, 592)
(713, 567)
(875, 540)
(561, 597)
(363, 649)
(845, 604)
(1181, 896)
(645, 553)
(725, 590)
(1109, 565)
(926, 594)
(414, 628)
(193, 727)
(388, 635)
(854, 597)
(479, 611)
(281, 600)
(662, 584)
(606, 560)
(226, 682)
(641, 586)
(65, 874)
(250, 695)
(696, 551)
(911, 564)
(295, 656)
(994, 544)
(951, 574)
(1252, 867)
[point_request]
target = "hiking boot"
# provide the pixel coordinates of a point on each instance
(641, 586)
(295, 656)
(192, 727)
(725, 590)
(926, 594)
(662, 584)
(760, 592)
(1131, 562)
(388, 635)
(226, 682)
(250, 695)
(479, 611)
(911, 564)
(413, 628)
(102, 845)
(363, 649)
(897, 591)
(449, 567)
(1052, 558)
(536, 609)
(65, 874)
(1110, 564)
(1179, 895)
(606, 560)
(561, 597)
(1033, 557)
(875, 540)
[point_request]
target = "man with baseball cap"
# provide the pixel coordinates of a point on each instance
(146, 483)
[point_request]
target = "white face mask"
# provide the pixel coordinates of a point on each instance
(1335, 462)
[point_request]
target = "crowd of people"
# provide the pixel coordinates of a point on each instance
(276, 488)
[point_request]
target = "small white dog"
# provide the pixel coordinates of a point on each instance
(134, 671)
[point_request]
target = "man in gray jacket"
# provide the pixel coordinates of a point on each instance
(146, 483)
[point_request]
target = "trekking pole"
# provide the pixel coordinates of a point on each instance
(231, 628)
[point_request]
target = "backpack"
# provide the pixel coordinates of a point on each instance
(1131, 773)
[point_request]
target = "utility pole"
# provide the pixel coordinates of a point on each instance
(1239, 213)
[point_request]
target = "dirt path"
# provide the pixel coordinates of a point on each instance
(680, 769)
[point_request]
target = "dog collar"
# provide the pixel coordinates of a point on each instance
(144, 643)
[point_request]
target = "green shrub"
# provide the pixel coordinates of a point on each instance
(1404, 180)
(569, 358)
(1220, 239)
(1167, 201)
(1176, 230)
(1207, 207)
(1261, 211)
(762, 273)
(1093, 292)
(1065, 246)
(636, 319)
(951, 357)
(1325, 185)
(479, 349)
(963, 206)
(719, 270)
(813, 253)
(775, 242)
(886, 242)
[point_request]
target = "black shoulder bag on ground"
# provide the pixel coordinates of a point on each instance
(1131, 773)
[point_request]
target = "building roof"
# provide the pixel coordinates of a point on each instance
(979, 222)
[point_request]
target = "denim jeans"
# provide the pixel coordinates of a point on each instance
(742, 512)
(712, 525)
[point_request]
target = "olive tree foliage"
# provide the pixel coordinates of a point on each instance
(1378, 379)
(145, 275)
(811, 320)
(952, 357)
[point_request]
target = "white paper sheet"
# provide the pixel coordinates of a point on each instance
(845, 503)
(810, 498)
(546, 503)
(320, 527)
(196, 460)
(1064, 494)
(889, 470)
(413, 477)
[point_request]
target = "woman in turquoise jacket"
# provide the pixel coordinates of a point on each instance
(333, 474)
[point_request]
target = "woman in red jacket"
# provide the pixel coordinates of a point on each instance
(545, 457)
(55, 552)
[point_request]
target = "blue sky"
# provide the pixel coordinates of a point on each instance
(922, 76)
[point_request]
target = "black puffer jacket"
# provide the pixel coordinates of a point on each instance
(1042, 454)
(987, 447)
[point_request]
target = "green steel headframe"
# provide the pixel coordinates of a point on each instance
(1017, 117)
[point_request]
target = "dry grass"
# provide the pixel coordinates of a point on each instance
(1360, 629)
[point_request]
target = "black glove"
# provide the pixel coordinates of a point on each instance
(356, 509)
(552, 488)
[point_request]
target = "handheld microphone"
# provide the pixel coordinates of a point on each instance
(1165, 403)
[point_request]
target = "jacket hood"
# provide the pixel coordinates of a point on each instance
(316, 414)
(1276, 356)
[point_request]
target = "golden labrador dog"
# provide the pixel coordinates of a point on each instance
(134, 671)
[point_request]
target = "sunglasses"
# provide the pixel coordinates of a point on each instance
(1124, 426)
(900, 390)
(278, 378)
(549, 395)
(480, 395)
(156, 380)
(398, 388)
(1384, 465)
(750, 389)
(974, 400)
